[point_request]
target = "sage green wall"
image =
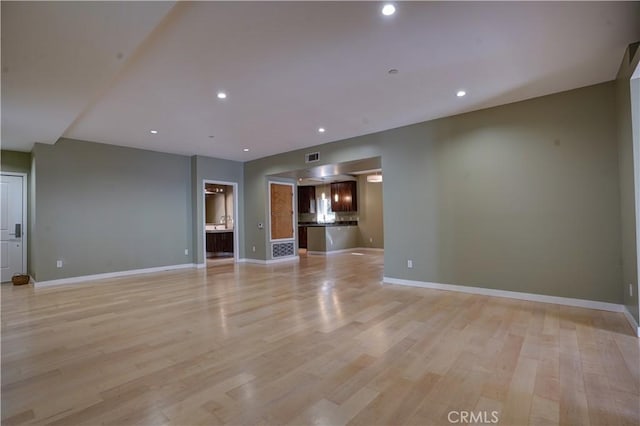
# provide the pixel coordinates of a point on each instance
(15, 161)
(521, 197)
(207, 168)
(255, 200)
(627, 187)
(104, 208)
(370, 223)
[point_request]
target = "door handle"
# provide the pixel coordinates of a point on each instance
(18, 230)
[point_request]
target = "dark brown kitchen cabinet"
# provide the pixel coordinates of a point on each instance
(344, 196)
(302, 237)
(220, 242)
(306, 199)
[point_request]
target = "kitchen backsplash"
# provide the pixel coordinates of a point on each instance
(306, 217)
(346, 216)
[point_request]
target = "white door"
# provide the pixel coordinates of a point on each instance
(11, 226)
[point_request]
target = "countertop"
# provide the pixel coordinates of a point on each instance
(218, 231)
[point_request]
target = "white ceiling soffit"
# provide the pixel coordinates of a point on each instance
(58, 56)
(292, 67)
(330, 171)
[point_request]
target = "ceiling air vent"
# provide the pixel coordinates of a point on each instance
(312, 157)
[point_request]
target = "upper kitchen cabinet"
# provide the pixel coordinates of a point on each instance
(306, 199)
(344, 196)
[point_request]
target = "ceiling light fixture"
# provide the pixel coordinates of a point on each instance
(388, 9)
(222, 95)
(153, 132)
(461, 93)
(321, 129)
(246, 149)
(393, 71)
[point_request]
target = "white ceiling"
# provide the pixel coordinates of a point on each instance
(288, 68)
(57, 57)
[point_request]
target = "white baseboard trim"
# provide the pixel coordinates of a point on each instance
(632, 321)
(326, 253)
(83, 278)
(567, 301)
(344, 250)
(254, 261)
(269, 262)
(283, 259)
(201, 265)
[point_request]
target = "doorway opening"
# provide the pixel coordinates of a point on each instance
(220, 216)
(339, 207)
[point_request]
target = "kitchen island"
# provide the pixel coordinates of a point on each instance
(325, 238)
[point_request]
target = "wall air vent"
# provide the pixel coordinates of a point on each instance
(282, 249)
(312, 157)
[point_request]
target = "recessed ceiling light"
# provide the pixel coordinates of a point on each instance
(321, 129)
(461, 93)
(153, 132)
(393, 71)
(246, 149)
(211, 136)
(388, 9)
(222, 95)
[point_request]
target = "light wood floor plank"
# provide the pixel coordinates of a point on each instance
(317, 342)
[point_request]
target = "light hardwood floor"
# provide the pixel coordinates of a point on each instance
(320, 342)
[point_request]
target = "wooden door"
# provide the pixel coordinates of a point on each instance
(281, 211)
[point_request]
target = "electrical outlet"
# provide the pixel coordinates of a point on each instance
(409, 263)
(253, 249)
(370, 239)
(631, 290)
(59, 264)
(186, 252)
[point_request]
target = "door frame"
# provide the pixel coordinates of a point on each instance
(634, 82)
(25, 228)
(236, 224)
